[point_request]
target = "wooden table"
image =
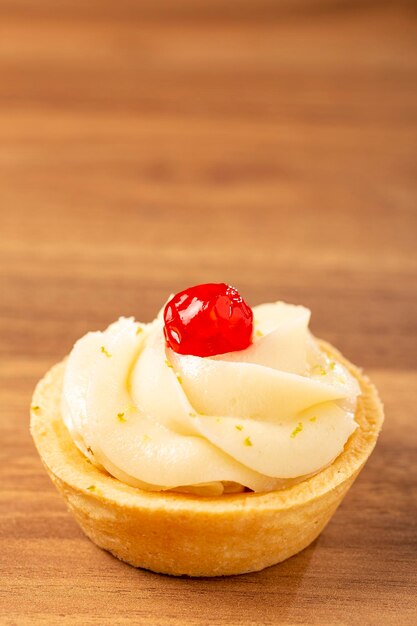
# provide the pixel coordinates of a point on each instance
(146, 146)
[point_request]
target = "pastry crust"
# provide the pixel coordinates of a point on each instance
(181, 534)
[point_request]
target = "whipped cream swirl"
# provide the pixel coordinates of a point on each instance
(260, 418)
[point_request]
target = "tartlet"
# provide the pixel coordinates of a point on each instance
(184, 534)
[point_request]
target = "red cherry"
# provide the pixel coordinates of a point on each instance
(208, 319)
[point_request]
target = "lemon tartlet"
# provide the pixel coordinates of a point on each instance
(166, 466)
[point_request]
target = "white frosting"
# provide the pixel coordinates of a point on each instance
(258, 418)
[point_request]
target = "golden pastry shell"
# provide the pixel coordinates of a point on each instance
(182, 534)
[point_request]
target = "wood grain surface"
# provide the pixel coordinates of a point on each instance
(146, 146)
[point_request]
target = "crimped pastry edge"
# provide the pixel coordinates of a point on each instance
(183, 534)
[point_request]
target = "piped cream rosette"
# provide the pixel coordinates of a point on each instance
(260, 418)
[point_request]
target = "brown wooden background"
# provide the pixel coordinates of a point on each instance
(146, 146)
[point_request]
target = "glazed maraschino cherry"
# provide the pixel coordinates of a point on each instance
(208, 319)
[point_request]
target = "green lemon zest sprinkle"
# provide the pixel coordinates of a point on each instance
(139, 330)
(297, 430)
(341, 379)
(104, 351)
(313, 419)
(35, 407)
(121, 417)
(179, 379)
(146, 437)
(318, 369)
(239, 427)
(248, 442)
(168, 364)
(259, 333)
(332, 366)
(94, 489)
(192, 414)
